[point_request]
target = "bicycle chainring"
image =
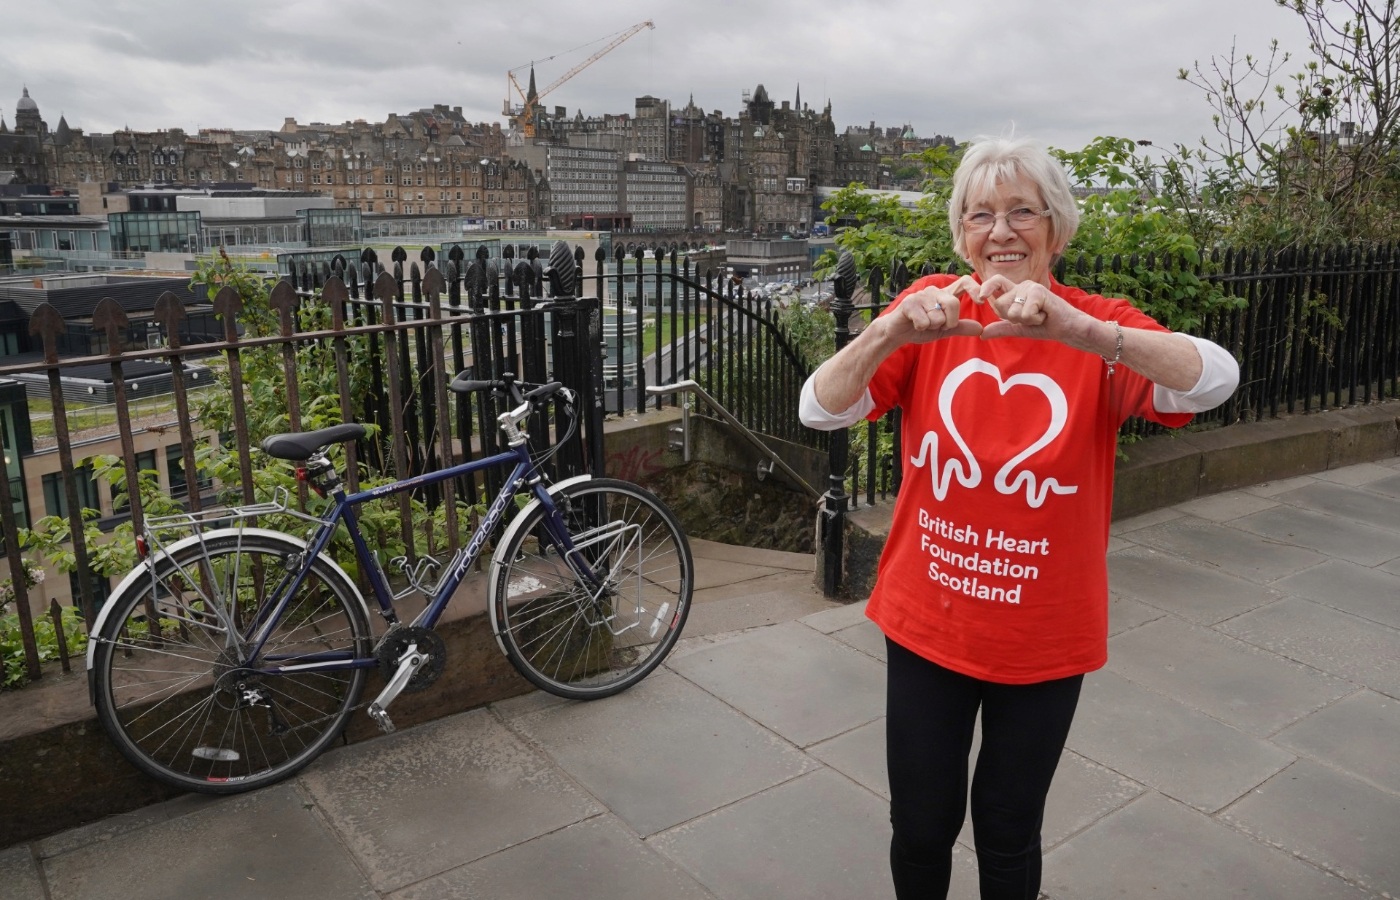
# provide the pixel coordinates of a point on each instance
(396, 643)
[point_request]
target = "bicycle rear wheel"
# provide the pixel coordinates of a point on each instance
(586, 637)
(174, 687)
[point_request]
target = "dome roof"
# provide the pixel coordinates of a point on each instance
(26, 104)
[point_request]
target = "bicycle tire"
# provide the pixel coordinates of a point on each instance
(174, 699)
(555, 632)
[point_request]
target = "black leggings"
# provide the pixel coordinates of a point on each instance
(930, 715)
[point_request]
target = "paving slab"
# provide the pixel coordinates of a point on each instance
(1158, 848)
(837, 618)
(800, 683)
(1362, 591)
(663, 752)
(1082, 793)
(412, 804)
(1281, 486)
(711, 573)
(1328, 818)
(755, 556)
(1256, 691)
(1124, 527)
(1188, 589)
(1359, 734)
(598, 857)
(1335, 642)
(1342, 538)
(859, 754)
(1357, 473)
(19, 874)
(1125, 613)
(284, 849)
(1226, 505)
(1227, 548)
(1165, 745)
(818, 836)
(107, 828)
(754, 603)
(1372, 505)
(865, 637)
(1389, 485)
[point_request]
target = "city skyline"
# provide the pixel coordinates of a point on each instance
(1062, 77)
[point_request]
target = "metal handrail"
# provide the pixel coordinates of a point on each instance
(688, 386)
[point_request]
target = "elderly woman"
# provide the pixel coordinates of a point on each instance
(992, 590)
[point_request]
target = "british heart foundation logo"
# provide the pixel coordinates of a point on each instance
(961, 463)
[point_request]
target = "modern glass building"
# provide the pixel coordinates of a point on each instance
(155, 232)
(322, 227)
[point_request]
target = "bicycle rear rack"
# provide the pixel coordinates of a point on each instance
(162, 531)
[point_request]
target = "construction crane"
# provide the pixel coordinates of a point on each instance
(522, 114)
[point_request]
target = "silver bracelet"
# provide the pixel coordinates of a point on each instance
(1117, 349)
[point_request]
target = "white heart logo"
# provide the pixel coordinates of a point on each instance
(966, 469)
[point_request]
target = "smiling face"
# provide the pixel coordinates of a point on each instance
(1018, 255)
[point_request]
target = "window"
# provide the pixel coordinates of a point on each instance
(145, 462)
(98, 587)
(175, 469)
(56, 498)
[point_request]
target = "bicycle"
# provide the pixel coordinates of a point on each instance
(232, 656)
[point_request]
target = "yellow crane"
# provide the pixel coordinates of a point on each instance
(521, 114)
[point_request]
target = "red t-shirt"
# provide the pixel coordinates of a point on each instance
(995, 564)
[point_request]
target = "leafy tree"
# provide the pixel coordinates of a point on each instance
(267, 413)
(1311, 157)
(1125, 215)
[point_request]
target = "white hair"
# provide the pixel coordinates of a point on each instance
(991, 161)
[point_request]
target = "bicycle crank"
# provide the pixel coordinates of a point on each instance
(411, 658)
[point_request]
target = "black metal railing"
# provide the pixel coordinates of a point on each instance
(386, 341)
(695, 324)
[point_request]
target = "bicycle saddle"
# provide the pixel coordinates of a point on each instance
(304, 444)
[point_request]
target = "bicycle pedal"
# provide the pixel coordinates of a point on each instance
(381, 718)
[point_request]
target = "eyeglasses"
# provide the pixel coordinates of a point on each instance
(1022, 218)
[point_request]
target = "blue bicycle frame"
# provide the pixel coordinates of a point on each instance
(523, 475)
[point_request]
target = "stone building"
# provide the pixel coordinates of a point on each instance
(428, 162)
(778, 152)
(753, 173)
(22, 149)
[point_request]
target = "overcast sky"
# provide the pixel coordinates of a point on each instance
(1059, 71)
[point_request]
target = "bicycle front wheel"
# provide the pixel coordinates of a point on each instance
(597, 623)
(174, 683)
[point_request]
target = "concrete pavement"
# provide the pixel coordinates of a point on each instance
(1241, 742)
